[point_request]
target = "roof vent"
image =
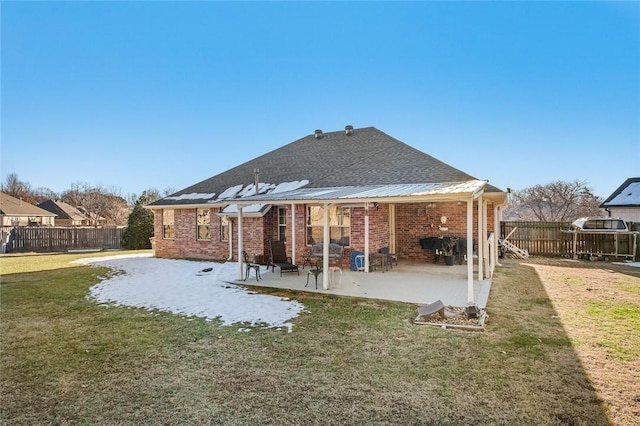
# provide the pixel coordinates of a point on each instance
(348, 130)
(318, 134)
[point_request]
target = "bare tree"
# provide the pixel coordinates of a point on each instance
(102, 206)
(555, 201)
(149, 196)
(17, 188)
(44, 194)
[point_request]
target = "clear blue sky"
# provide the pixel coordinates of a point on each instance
(139, 95)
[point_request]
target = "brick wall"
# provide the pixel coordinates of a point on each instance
(412, 224)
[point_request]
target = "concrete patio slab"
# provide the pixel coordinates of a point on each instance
(411, 282)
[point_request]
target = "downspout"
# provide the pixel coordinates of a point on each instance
(240, 242)
(230, 225)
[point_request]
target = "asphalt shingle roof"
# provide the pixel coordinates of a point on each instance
(366, 157)
(62, 210)
(12, 206)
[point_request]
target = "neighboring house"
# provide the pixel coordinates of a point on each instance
(360, 188)
(15, 212)
(624, 203)
(67, 215)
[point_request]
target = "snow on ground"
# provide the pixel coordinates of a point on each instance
(634, 264)
(188, 288)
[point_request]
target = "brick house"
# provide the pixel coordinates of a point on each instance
(361, 188)
(66, 214)
(16, 212)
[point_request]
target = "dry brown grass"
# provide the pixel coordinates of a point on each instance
(598, 305)
(353, 361)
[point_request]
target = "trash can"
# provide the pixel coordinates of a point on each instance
(354, 253)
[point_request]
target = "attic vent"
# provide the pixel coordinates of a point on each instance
(318, 134)
(348, 130)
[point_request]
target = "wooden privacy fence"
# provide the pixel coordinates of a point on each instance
(52, 239)
(547, 238)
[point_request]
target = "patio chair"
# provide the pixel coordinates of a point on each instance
(249, 266)
(279, 258)
(391, 257)
(315, 272)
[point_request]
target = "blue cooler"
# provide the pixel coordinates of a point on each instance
(353, 259)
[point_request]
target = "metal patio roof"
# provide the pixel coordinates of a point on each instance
(396, 192)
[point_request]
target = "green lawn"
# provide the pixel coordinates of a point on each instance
(67, 360)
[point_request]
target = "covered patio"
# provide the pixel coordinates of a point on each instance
(409, 281)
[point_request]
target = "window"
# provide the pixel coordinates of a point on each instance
(168, 225)
(203, 224)
(339, 225)
(224, 228)
(282, 223)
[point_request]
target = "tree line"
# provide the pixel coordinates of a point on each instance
(100, 204)
(552, 202)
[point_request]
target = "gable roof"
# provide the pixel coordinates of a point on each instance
(62, 210)
(627, 195)
(12, 206)
(362, 157)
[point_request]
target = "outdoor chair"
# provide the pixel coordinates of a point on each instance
(315, 272)
(391, 257)
(249, 266)
(279, 258)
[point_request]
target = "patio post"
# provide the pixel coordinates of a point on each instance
(485, 238)
(366, 237)
(325, 249)
(470, 251)
(293, 233)
(480, 239)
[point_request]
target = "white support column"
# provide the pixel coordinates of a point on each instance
(293, 233)
(497, 217)
(392, 228)
(240, 248)
(366, 237)
(480, 240)
(485, 228)
(492, 259)
(470, 296)
(325, 249)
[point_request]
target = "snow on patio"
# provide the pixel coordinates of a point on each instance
(188, 288)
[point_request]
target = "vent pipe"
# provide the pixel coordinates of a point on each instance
(348, 130)
(256, 179)
(318, 134)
